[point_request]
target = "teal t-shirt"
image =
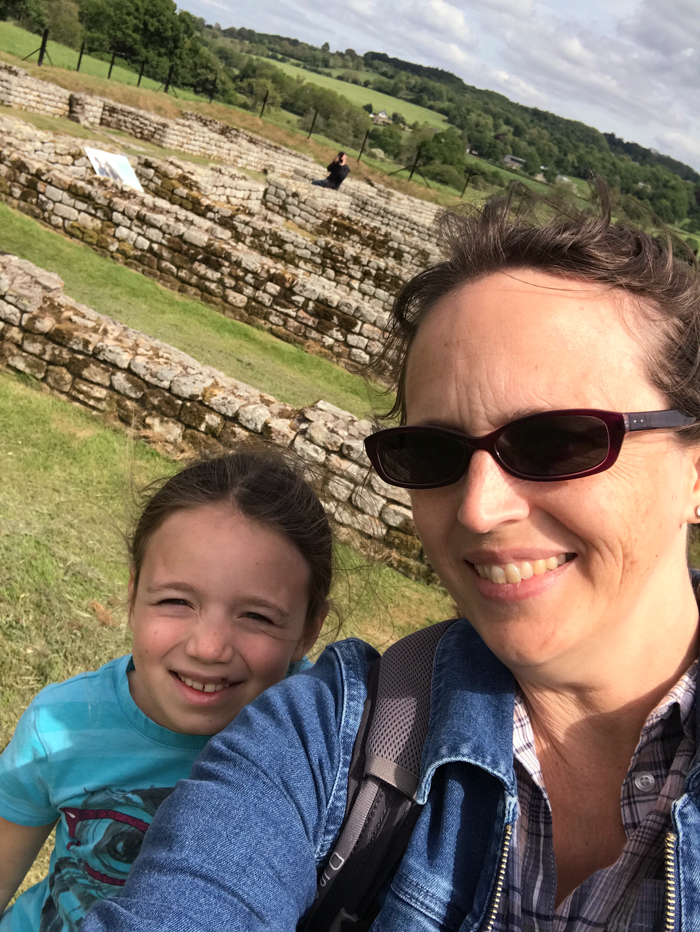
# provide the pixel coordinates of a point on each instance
(85, 754)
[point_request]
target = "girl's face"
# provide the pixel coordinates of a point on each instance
(218, 615)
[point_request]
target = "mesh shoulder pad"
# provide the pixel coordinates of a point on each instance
(383, 780)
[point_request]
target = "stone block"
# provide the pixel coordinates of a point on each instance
(368, 501)
(9, 314)
(309, 451)
(253, 417)
(401, 496)
(199, 418)
(190, 386)
(398, 517)
(114, 354)
(281, 431)
(128, 385)
(30, 365)
(163, 402)
(339, 488)
(346, 468)
(355, 450)
(164, 429)
(89, 394)
(59, 378)
(91, 371)
(366, 524)
(154, 370)
(321, 434)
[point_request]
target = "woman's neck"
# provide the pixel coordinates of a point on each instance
(608, 688)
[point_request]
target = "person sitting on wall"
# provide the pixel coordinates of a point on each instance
(338, 171)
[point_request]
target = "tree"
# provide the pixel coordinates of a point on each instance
(369, 108)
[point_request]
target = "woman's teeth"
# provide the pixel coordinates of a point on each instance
(203, 687)
(515, 572)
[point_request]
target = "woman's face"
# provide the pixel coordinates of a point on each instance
(519, 343)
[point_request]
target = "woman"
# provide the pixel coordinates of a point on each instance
(557, 777)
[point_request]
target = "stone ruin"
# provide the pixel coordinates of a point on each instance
(248, 235)
(167, 398)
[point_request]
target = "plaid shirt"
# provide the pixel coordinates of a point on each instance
(629, 895)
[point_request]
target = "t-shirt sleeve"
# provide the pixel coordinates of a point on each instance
(24, 789)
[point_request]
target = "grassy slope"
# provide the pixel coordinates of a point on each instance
(20, 42)
(365, 95)
(65, 496)
(243, 352)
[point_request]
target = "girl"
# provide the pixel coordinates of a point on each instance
(231, 567)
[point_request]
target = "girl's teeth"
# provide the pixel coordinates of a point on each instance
(515, 572)
(202, 687)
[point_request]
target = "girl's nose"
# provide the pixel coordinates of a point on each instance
(211, 640)
(490, 497)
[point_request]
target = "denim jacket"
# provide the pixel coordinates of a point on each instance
(237, 846)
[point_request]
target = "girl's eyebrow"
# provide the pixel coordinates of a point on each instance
(180, 586)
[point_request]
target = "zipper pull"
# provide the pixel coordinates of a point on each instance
(670, 920)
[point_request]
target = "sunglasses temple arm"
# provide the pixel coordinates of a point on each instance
(653, 420)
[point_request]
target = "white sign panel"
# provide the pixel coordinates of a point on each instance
(111, 165)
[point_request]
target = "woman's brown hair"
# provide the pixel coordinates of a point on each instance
(505, 235)
(263, 483)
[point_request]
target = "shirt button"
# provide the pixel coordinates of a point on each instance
(644, 782)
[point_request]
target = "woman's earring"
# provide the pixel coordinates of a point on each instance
(697, 512)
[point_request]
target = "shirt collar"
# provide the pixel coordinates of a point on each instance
(471, 714)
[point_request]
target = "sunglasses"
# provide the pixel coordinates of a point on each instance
(543, 447)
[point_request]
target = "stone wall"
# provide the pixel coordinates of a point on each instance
(167, 397)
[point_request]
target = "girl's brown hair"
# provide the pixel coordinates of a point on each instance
(507, 234)
(263, 483)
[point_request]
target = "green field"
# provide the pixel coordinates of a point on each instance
(246, 353)
(365, 95)
(20, 42)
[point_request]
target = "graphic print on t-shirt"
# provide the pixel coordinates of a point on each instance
(106, 833)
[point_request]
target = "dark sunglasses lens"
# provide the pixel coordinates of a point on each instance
(548, 447)
(421, 459)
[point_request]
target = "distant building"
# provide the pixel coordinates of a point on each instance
(512, 161)
(382, 118)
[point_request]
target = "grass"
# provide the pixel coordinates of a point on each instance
(64, 501)
(19, 42)
(360, 96)
(246, 353)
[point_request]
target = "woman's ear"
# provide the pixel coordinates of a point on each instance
(313, 629)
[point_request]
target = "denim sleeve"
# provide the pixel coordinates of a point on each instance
(237, 845)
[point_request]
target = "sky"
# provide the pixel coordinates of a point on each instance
(631, 67)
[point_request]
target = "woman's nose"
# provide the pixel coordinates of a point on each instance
(210, 640)
(490, 497)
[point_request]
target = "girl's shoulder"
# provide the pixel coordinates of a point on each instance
(90, 686)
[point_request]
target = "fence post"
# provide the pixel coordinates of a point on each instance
(469, 175)
(80, 57)
(143, 65)
(313, 123)
(42, 50)
(212, 92)
(362, 147)
(415, 164)
(169, 79)
(262, 109)
(111, 65)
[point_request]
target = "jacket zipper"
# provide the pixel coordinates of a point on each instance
(670, 861)
(500, 880)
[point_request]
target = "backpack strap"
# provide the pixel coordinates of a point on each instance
(383, 779)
